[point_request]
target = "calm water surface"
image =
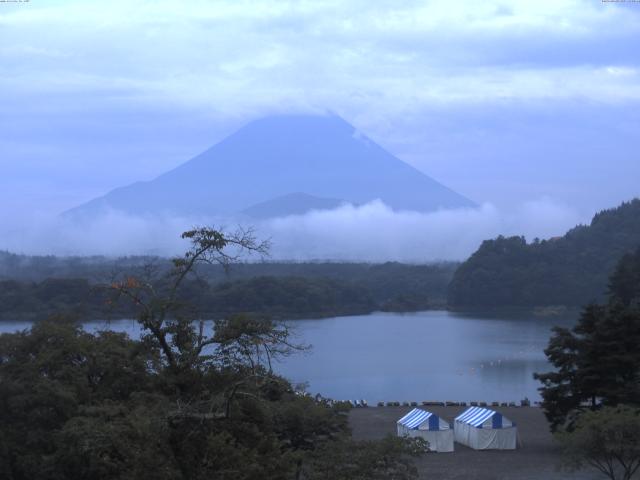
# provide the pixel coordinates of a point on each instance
(434, 355)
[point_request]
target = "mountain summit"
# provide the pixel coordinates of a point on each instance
(277, 158)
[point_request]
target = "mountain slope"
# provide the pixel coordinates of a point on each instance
(320, 156)
(571, 270)
(292, 204)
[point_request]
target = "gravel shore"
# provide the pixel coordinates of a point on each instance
(537, 457)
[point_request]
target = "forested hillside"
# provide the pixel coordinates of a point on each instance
(571, 270)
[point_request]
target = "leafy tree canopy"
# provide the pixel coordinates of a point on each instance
(607, 440)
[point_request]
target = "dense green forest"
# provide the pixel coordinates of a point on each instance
(34, 287)
(571, 270)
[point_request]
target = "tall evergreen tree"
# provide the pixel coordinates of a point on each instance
(598, 361)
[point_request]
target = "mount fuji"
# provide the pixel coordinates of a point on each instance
(281, 165)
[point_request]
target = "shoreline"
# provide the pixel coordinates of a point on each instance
(560, 312)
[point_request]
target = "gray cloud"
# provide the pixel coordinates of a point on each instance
(374, 232)
(502, 101)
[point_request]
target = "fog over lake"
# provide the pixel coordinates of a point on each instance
(432, 355)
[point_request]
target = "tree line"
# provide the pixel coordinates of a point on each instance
(278, 297)
(290, 291)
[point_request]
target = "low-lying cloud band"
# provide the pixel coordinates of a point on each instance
(370, 232)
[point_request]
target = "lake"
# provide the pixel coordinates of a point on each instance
(432, 355)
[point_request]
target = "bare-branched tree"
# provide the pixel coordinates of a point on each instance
(166, 320)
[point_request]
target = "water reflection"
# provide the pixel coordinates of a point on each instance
(433, 355)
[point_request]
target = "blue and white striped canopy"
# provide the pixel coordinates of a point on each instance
(415, 418)
(476, 416)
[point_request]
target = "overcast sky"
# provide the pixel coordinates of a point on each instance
(505, 102)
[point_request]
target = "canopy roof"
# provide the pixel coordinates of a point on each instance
(476, 416)
(417, 417)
